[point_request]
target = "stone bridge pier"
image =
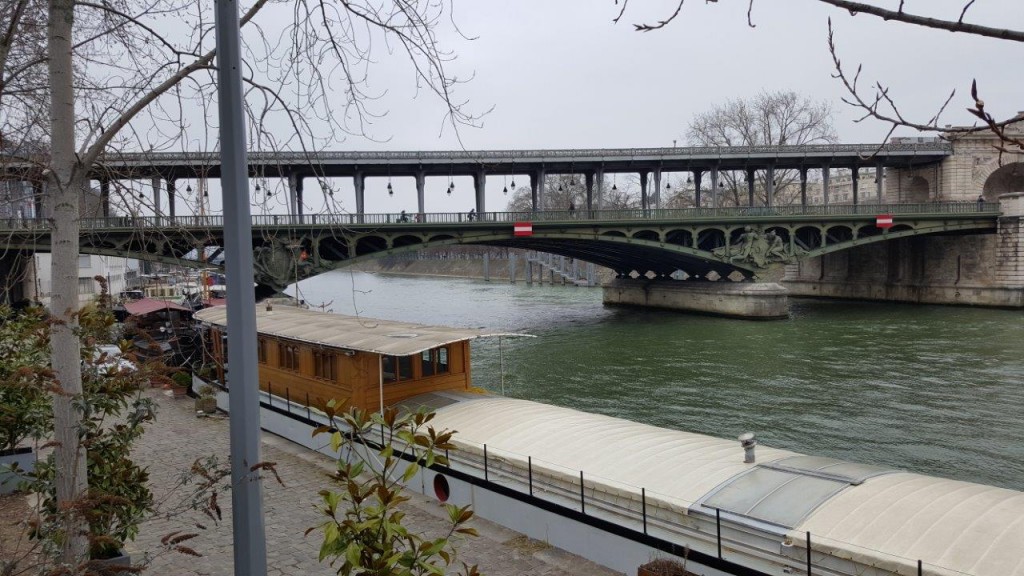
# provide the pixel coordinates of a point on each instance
(974, 270)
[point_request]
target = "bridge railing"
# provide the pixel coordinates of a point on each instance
(470, 218)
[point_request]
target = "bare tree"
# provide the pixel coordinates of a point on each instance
(876, 101)
(770, 118)
(90, 79)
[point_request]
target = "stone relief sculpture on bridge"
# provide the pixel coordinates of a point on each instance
(280, 263)
(759, 248)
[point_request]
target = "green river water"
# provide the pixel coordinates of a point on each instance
(931, 389)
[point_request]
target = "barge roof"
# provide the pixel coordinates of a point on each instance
(876, 516)
(350, 332)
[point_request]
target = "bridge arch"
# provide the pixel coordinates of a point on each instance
(649, 235)
(679, 237)
(407, 240)
(1002, 180)
(371, 244)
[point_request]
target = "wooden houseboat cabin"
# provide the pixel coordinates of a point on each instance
(312, 357)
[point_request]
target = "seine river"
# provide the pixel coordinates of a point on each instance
(931, 389)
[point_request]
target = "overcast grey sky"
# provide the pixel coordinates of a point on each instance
(560, 74)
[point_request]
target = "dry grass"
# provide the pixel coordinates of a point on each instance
(17, 552)
(526, 545)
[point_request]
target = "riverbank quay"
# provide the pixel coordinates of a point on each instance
(179, 437)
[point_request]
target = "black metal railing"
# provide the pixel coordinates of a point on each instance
(505, 477)
(484, 219)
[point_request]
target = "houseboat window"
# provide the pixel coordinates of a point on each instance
(403, 365)
(442, 360)
(427, 363)
(324, 365)
(387, 367)
(434, 362)
(288, 356)
(261, 350)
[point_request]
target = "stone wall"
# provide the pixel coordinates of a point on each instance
(979, 270)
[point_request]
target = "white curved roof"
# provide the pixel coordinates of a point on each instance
(352, 332)
(883, 518)
(959, 526)
(680, 465)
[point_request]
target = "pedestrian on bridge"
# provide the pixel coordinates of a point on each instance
(981, 202)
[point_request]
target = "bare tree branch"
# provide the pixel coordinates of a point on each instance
(927, 22)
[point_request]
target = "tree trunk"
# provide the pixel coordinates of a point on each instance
(65, 183)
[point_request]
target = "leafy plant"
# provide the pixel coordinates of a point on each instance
(114, 415)
(182, 379)
(25, 379)
(364, 533)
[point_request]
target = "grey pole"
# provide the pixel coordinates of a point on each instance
(156, 200)
(879, 182)
(359, 182)
(825, 188)
(854, 181)
(655, 200)
(589, 179)
(714, 187)
(250, 546)
(644, 202)
(170, 197)
(421, 192)
(803, 187)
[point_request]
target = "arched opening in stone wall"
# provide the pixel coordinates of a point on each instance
(1008, 178)
(918, 191)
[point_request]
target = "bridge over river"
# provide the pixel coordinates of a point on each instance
(955, 208)
(656, 243)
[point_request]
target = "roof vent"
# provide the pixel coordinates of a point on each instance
(403, 335)
(748, 442)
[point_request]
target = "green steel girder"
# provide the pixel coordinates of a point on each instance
(698, 246)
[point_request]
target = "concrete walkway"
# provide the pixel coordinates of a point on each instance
(179, 437)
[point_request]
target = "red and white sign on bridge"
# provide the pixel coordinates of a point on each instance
(883, 221)
(522, 229)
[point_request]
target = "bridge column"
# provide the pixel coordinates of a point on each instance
(696, 187)
(171, 184)
(599, 175)
(156, 198)
(588, 177)
(750, 186)
(855, 176)
(537, 189)
(359, 183)
(803, 187)
(643, 190)
(480, 184)
(421, 186)
(769, 186)
(714, 187)
(105, 197)
(825, 173)
(295, 193)
(879, 181)
(656, 173)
